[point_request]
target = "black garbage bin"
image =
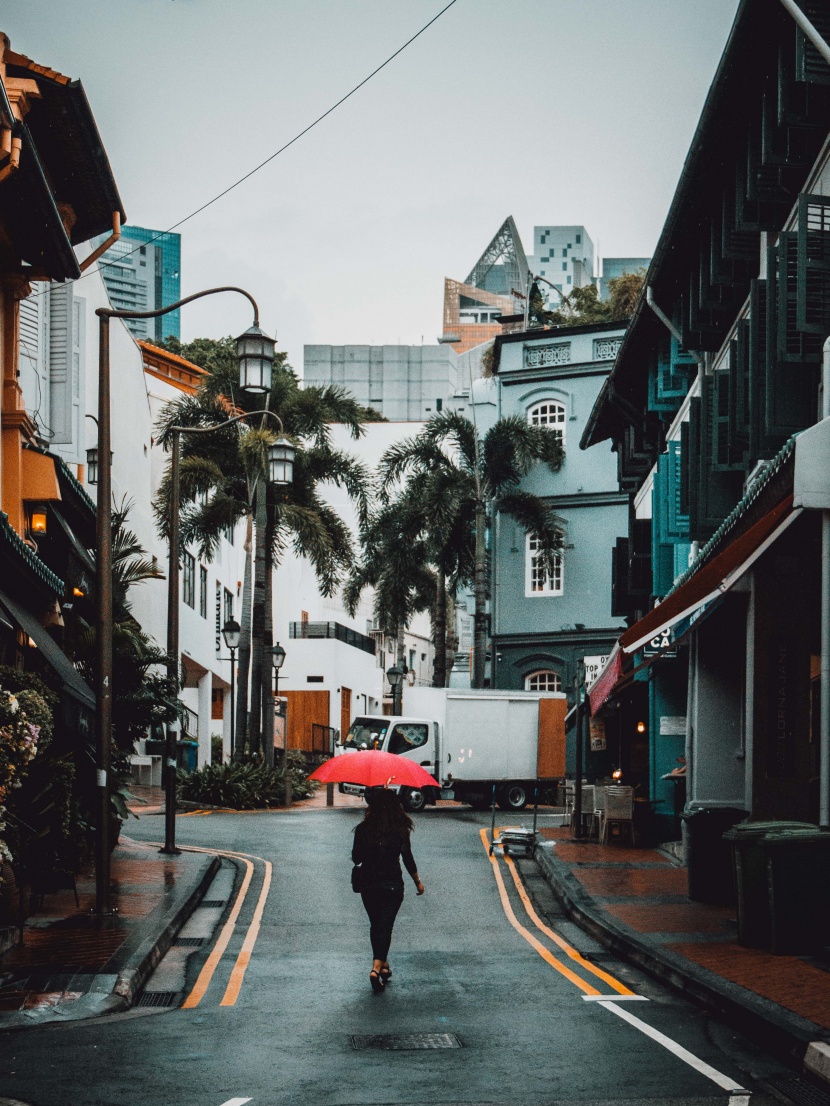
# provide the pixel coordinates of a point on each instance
(750, 869)
(708, 856)
(798, 868)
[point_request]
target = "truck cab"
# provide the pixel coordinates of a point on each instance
(417, 739)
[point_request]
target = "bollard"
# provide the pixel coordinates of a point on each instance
(329, 794)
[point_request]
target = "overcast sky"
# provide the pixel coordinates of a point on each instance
(553, 111)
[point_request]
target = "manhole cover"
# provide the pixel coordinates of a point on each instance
(213, 902)
(408, 1041)
(799, 1091)
(193, 942)
(158, 998)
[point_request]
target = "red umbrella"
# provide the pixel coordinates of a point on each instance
(373, 768)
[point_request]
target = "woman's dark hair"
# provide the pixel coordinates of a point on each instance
(385, 819)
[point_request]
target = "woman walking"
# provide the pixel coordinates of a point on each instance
(381, 841)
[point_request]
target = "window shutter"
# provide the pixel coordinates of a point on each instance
(810, 66)
(757, 365)
(720, 409)
(677, 519)
(61, 355)
(813, 265)
(620, 599)
(685, 473)
(792, 362)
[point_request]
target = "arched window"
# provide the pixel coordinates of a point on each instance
(543, 681)
(551, 414)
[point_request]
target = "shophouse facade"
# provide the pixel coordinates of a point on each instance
(543, 625)
(714, 411)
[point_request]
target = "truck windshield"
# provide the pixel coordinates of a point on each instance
(366, 733)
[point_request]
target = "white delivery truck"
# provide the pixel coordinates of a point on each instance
(470, 741)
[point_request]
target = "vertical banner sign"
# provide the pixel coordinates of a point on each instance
(218, 617)
(782, 706)
(597, 735)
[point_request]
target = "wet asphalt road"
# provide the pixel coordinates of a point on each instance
(527, 1035)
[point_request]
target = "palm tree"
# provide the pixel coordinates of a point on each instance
(456, 484)
(223, 481)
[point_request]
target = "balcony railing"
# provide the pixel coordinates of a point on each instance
(331, 630)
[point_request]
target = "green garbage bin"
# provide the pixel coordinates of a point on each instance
(749, 865)
(798, 869)
(187, 758)
(708, 859)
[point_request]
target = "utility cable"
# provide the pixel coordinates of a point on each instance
(270, 158)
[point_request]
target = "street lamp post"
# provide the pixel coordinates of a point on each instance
(256, 360)
(230, 632)
(395, 676)
(278, 660)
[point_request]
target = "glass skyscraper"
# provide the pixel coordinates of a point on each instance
(142, 272)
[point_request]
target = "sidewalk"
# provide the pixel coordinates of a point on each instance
(634, 901)
(72, 965)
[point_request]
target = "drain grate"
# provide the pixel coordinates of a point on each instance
(408, 1041)
(798, 1091)
(192, 942)
(158, 998)
(213, 902)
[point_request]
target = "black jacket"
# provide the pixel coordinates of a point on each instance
(380, 861)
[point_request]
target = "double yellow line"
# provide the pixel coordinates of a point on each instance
(563, 969)
(243, 958)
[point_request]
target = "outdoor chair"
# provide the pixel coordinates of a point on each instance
(587, 805)
(599, 810)
(619, 812)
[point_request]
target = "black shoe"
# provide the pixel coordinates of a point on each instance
(377, 981)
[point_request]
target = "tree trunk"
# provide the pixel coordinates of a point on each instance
(268, 702)
(480, 631)
(243, 667)
(258, 620)
(439, 631)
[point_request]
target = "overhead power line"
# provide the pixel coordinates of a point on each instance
(276, 153)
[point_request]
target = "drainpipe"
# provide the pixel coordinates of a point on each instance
(105, 245)
(824, 711)
(12, 147)
(808, 28)
(669, 325)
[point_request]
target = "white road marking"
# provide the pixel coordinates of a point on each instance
(723, 1081)
(615, 998)
(236, 1102)
(739, 1100)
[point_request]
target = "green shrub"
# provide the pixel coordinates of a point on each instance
(217, 748)
(246, 785)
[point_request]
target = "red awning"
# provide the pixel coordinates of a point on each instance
(602, 687)
(707, 585)
(713, 579)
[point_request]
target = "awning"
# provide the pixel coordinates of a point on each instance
(699, 593)
(73, 682)
(715, 578)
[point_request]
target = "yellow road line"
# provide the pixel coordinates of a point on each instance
(206, 974)
(242, 961)
(620, 988)
(546, 954)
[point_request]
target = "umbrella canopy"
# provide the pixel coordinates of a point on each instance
(373, 768)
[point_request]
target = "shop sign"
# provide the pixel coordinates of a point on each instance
(662, 644)
(672, 725)
(597, 735)
(593, 667)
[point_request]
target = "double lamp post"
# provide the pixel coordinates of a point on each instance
(255, 352)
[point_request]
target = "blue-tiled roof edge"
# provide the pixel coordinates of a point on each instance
(30, 559)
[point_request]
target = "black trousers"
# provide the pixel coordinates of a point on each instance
(382, 902)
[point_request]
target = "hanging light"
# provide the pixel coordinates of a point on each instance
(281, 456)
(395, 676)
(92, 466)
(231, 632)
(37, 518)
(255, 352)
(277, 656)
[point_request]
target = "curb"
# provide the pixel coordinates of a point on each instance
(788, 1036)
(115, 988)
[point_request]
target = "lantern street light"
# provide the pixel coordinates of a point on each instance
(230, 632)
(258, 365)
(395, 677)
(278, 660)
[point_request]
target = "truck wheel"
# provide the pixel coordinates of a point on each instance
(413, 799)
(513, 797)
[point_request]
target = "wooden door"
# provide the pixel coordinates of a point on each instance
(304, 709)
(345, 710)
(551, 753)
